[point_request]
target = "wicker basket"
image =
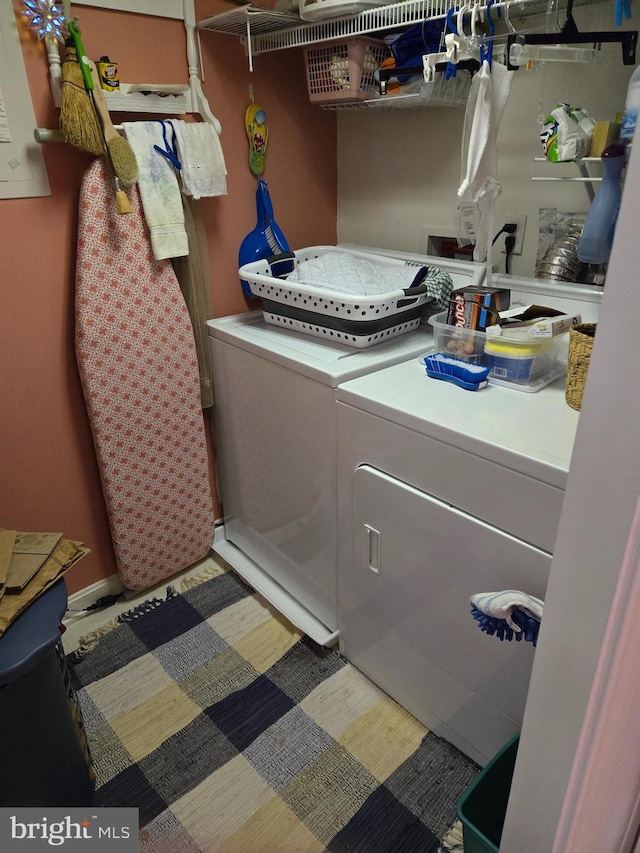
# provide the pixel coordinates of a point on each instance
(581, 339)
(342, 71)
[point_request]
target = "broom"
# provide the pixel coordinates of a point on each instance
(78, 120)
(122, 200)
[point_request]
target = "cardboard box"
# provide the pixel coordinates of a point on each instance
(7, 540)
(476, 308)
(604, 133)
(30, 551)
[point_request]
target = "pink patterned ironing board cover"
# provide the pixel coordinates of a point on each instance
(139, 371)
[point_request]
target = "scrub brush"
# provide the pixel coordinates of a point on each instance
(123, 159)
(472, 377)
(122, 201)
(508, 614)
(78, 120)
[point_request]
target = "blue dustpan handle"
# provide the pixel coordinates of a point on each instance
(264, 201)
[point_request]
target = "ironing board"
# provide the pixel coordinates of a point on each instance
(139, 372)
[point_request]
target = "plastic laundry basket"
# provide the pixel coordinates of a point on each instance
(483, 805)
(342, 71)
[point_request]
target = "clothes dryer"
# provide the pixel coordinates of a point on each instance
(275, 436)
(443, 493)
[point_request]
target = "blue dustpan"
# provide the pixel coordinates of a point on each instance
(266, 239)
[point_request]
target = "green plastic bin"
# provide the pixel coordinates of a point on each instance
(483, 805)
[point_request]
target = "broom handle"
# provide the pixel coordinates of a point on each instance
(83, 61)
(101, 105)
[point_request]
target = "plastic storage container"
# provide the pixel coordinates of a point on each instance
(516, 360)
(483, 805)
(342, 71)
(44, 756)
(631, 107)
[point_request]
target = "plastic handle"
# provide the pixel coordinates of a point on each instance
(265, 200)
(416, 290)
(372, 548)
(83, 60)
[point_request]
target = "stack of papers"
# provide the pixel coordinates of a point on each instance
(29, 564)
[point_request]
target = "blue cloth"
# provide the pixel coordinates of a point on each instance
(411, 45)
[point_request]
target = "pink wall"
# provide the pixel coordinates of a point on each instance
(48, 474)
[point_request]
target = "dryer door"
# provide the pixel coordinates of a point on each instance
(405, 615)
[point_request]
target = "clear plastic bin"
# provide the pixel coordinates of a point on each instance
(516, 360)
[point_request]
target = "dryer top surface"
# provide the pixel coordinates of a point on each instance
(529, 433)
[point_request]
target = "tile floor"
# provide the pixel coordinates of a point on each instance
(78, 625)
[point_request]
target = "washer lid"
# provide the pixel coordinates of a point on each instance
(325, 361)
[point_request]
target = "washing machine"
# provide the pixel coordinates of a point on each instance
(443, 493)
(274, 423)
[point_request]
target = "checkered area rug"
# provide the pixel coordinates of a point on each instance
(232, 732)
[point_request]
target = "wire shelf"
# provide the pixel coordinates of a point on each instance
(441, 93)
(280, 30)
(270, 30)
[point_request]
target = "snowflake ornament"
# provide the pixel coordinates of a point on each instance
(46, 17)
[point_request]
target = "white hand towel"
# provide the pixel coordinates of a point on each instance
(203, 172)
(159, 191)
(500, 605)
(493, 86)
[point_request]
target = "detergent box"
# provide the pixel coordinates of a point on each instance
(475, 308)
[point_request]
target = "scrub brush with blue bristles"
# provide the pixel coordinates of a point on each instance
(508, 614)
(472, 377)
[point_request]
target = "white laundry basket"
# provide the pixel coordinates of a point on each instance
(355, 320)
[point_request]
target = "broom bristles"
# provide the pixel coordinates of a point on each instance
(123, 204)
(78, 120)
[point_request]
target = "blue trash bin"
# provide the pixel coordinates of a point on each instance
(43, 761)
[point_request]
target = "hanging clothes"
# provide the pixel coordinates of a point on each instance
(159, 189)
(487, 100)
(194, 277)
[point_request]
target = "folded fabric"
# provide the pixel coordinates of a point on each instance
(159, 190)
(349, 274)
(203, 172)
(500, 605)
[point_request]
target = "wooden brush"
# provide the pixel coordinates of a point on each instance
(78, 120)
(123, 159)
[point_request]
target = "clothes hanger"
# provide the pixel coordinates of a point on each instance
(486, 46)
(570, 34)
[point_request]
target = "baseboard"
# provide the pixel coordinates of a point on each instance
(87, 596)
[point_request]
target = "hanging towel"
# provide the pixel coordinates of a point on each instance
(194, 277)
(159, 190)
(481, 174)
(487, 100)
(139, 371)
(203, 172)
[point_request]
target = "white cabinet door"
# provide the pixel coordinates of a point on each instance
(405, 617)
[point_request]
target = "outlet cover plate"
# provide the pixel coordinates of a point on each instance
(521, 220)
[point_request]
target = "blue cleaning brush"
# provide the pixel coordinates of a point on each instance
(508, 613)
(439, 365)
(500, 627)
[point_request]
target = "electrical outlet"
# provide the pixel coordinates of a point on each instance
(521, 221)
